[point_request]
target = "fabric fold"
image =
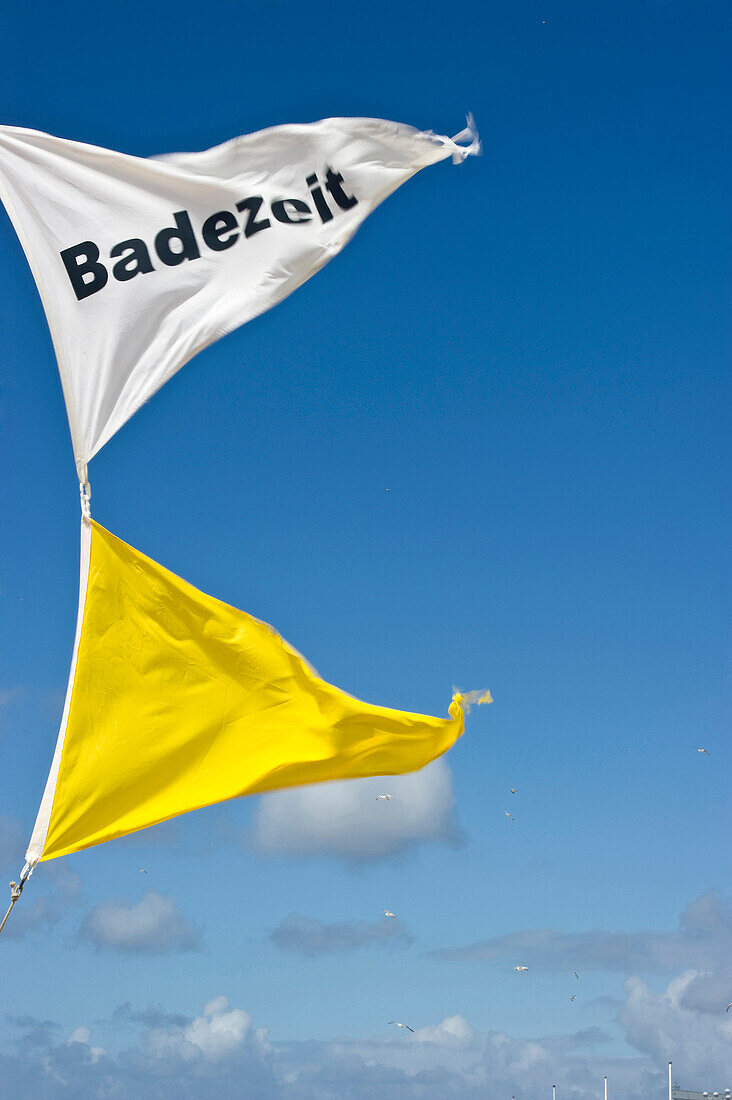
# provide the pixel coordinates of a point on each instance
(177, 700)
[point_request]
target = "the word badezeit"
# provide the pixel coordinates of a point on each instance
(219, 232)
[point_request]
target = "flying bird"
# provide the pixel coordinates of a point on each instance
(576, 974)
(573, 997)
(388, 913)
(512, 818)
(521, 968)
(143, 871)
(729, 1006)
(384, 797)
(513, 790)
(706, 751)
(402, 1025)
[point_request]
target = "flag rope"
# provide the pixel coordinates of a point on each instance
(16, 889)
(85, 495)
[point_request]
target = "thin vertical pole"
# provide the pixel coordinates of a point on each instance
(554, 1092)
(605, 1088)
(669, 1081)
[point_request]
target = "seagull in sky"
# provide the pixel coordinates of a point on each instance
(402, 1025)
(576, 974)
(729, 1006)
(384, 797)
(521, 968)
(388, 913)
(703, 750)
(143, 871)
(512, 818)
(573, 997)
(513, 790)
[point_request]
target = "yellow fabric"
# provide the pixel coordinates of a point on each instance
(180, 701)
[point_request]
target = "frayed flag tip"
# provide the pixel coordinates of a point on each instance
(470, 133)
(465, 699)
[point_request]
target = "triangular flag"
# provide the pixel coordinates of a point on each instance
(141, 263)
(177, 700)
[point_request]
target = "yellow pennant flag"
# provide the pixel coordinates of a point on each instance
(177, 700)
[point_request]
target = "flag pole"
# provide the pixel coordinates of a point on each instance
(16, 889)
(605, 1087)
(669, 1081)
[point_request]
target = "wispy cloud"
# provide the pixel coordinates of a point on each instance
(703, 940)
(12, 846)
(167, 834)
(313, 937)
(8, 695)
(149, 1017)
(47, 898)
(152, 926)
(344, 820)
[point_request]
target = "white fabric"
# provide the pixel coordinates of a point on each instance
(166, 295)
(40, 829)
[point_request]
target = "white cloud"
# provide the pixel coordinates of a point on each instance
(221, 1053)
(152, 926)
(709, 991)
(344, 820)
(661, 1026)
(447, 1059)
(220, 1031)
(453, 1029)
(82, 1035)
(313, 937)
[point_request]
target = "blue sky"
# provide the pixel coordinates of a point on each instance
(527, 352)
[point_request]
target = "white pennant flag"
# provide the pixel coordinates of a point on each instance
(141, 263)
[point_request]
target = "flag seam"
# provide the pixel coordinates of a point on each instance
(40, 829)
